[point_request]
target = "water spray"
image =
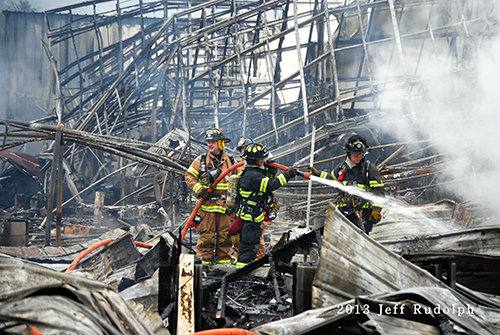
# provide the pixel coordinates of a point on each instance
(384, 201)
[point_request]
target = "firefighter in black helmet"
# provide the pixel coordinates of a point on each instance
(255, 189)
(214, 226)
(355, 170)
(271, 173)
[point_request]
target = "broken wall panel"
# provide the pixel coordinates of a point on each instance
(28, 73)
(72, 303)
(344, 271)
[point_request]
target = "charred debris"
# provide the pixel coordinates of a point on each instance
(128, 89)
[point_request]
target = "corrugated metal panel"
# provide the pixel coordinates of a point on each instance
(30, 90)
(401, 222)
(353, 264)
(27, 82)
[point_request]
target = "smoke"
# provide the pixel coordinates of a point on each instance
(453, 105)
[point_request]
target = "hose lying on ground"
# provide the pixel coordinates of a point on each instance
(97, 245)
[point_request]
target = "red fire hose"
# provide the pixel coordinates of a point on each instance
(223, 174)
(284, 168)
(97, 245)
(225, 331)
(33, 330)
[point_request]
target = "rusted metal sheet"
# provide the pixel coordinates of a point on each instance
(22, 160)
(53, 253)
(401, 222)
(76, 230)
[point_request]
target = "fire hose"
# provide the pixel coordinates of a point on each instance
(224, 174)
(99, 244)
(225, 331)
(284, 168)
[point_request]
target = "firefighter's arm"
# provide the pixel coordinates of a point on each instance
(271, 171)
(322, 174)
(192, 178)
(268, 185)
(377, 188)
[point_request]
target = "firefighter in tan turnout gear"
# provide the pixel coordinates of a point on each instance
(214, 226)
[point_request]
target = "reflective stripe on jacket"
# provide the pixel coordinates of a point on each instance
(193, 175)
(254, 190)
(357, 176)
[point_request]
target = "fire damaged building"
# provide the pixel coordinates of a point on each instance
(106, 103)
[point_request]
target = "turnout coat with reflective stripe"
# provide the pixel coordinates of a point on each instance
(193, 175)
(254, 189)
(363, 175)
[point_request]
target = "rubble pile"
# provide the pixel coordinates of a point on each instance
(251, 300)
(91, 238)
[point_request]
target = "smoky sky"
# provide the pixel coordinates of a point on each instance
(453, 104)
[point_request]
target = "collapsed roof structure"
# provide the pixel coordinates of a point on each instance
(396, 72)
(130, 87)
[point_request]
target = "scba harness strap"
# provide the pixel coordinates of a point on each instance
(348, 202)
(203, 164)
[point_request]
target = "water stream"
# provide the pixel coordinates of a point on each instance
(389, 203)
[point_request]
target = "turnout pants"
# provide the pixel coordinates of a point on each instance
(213, 231)
(250, 236)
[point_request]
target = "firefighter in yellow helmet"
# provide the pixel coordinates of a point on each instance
(214, 226)
(271, 173)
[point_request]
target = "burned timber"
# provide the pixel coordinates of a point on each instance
(117, 91)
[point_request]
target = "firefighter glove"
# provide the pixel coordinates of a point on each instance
(204, 193)
(275, 206)
(205, 180)
(290, 172)
(312, 170)
(376, 216)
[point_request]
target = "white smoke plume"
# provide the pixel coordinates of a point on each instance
(456, 109)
